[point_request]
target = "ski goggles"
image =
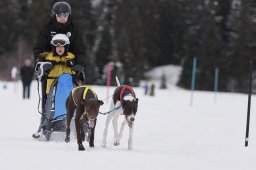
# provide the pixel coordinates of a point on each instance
(59, 43)
(62, 14)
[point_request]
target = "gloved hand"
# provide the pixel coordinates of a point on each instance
(70, 63)
(47, 67)
(43, 68)
(78, 68)
(79, 72)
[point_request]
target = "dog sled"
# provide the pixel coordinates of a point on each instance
(55, 109)
(53, 121)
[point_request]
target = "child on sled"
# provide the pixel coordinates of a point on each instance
(52, 65)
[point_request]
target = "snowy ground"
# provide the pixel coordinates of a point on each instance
(168, 134)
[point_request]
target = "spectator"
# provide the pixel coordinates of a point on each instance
(14, 73)
(26, 73)
(152, 90)
(146, 87)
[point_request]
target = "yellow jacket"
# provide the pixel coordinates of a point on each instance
(59, 68)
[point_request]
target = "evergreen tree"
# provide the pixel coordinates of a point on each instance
(83, 15)
(244, 45)
(35, 15)
(192, 12)
(130, 41)
(8, 28)
(204, 43)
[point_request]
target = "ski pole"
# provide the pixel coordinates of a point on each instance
(249, 103)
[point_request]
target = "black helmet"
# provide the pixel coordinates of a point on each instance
(61, 8)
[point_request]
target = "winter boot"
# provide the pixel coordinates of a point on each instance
(37, 134)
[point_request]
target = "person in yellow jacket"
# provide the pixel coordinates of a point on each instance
(60, 64)
(62, 61)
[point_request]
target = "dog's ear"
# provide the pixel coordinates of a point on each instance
(137, 100)
(100, 102)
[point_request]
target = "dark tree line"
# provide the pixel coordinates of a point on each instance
(221, 36)
(139, 35)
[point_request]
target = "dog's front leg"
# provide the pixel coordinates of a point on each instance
(91, 143)
(115, 128)
(78, 131)
(70, 112)
(67, 139)
(104, 140)
(120, 135)
(130, 137)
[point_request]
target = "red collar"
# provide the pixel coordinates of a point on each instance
(125, 87)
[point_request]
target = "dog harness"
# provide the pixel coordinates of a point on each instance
(125, 87)
(87, 88)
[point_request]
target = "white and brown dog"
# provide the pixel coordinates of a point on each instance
(124, 103)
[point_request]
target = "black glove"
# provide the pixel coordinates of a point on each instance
(43, 68)
(78, 68)
(70, 63)
(79, 72)
(47, 67)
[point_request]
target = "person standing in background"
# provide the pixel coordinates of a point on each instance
(146, 87)
(26, 73)
(152, 90)
(14, 74)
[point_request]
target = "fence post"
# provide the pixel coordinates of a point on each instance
(193, 80)
(216, 83)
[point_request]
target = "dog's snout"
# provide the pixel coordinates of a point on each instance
(132, 119)
(91, 123)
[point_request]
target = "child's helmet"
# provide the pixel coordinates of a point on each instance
(60, 40)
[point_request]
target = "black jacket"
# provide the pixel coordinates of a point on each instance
(26, 73)
(45, 34)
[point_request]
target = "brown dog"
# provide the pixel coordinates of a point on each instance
(85, 102)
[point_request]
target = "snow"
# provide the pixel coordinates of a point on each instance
(171, 72)
(168, 134)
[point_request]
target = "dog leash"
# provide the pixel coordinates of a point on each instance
(104, 113)
(107, 98)
(114, 108)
